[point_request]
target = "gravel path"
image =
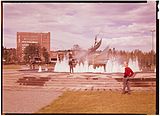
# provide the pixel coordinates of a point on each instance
(27, 101)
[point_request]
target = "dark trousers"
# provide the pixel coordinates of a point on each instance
(126, 83)
(71, 69)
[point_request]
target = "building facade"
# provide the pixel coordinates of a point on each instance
(26, 38)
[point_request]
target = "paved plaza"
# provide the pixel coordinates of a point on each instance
(28, 91)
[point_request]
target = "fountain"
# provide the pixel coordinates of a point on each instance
(46, 69)
(40, 69)
(62, 66)
(112, 66)
(133, 64)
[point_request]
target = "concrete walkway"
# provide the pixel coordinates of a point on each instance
(19, 98)
(27, 101)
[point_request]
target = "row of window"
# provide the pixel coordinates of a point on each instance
(29, 42)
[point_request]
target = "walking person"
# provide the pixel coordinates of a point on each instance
(127, 74)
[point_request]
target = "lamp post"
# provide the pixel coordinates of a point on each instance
(152, 31)
(152, 51)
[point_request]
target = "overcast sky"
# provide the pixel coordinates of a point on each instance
(121, 25)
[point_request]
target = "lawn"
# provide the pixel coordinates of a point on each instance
(16, 66)
(103, 102)
(11, 66)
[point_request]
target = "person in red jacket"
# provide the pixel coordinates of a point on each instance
(127, 74)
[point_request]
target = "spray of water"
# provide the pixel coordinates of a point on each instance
(112, 66)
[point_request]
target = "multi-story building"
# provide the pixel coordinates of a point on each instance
(26, 38)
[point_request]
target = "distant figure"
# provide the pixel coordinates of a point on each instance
(127, 74)
(71, 65)
(33, 64)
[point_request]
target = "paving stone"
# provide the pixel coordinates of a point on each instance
(60, 82)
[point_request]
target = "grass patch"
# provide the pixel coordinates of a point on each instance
(14, 66)
(103, 102)
(11, 66)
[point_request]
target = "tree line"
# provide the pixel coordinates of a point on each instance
(31, 52)
(146, 60)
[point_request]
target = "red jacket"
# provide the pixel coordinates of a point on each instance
(128, 72)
